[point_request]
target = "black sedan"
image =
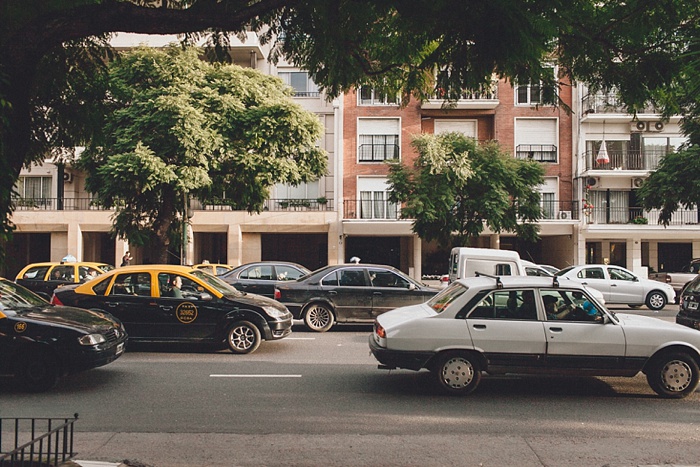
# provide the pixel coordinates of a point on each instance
(689, 310)
(40, 342)
(178, 304)
(260, 277)
(349, 293)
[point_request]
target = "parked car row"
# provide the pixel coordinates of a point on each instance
(178, 304)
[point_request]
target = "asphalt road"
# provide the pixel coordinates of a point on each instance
(319, 399)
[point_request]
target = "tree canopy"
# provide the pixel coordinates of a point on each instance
(640, 47)
(456, 188)
(176, 126)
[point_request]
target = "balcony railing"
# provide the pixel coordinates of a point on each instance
(559, 210)
(639, 216)
(537, 152)
(56, 204)
(608, 103)
(36, 441)
(370, 209)
(484, 93)
(626, 160)
(273, 205)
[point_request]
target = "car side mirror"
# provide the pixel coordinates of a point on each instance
(411, 286)
(206, 296)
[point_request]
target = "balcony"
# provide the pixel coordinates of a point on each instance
(608, 103)
(626, 160)
(485, 98)
(639, 216)
(537, 152)
(371, 210)
(555, 210)
(88, 204)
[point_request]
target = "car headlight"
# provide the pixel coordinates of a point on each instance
(92, 339)
(275, 312)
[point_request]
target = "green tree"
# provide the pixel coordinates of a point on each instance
(638, 46)
(674, 184)
(457, 187)
(177, 125)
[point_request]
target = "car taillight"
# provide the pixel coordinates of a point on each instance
(55, 300)
(277, 294)
(379, 330)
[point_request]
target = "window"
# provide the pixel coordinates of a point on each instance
(591, 273)
(63, 273)
(301, 82)
(549, 205)
(511, 304)
(466, 127)
(374, 199)
(378, 139)
(384, 278)
(287, 273)
(308, 190)
(620, 275)
(370, 96)
(535, 93)
(536, 139)
(352, 278)
(132, 284)
(569, 305)
(37, 273)
(262, 272)
(35, 190)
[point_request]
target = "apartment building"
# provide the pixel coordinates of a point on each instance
(376, 128)
(616, 153)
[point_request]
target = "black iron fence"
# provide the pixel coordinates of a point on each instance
(639, 216)
(40, 442)
(625, 160)
(88, 204)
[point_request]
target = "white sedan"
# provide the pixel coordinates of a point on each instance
(533, 325)
(620, 286)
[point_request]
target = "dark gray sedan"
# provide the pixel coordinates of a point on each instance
(349, 293)
(260, 277)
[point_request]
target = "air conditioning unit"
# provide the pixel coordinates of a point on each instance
(68, 177)
(564, 215)
(637, 182)
(592, 181)
(639, 126)
(656, 126)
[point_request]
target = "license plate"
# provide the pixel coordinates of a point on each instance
(120, 348)
(692, 305)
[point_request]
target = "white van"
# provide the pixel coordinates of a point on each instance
(466, 262)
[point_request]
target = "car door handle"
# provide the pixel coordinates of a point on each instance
(479, 326)
(112, 304)
(166, 308)
(584, 283)
(332, 292)
(376, 293)
(613, 285)
(553, 329)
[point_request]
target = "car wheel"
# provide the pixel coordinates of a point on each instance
(673, 375)
(318, 317)
(38, 372)
(243, 337)
(458, 373)
(656, 300)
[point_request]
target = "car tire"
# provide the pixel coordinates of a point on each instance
(38, 372)
(457, 373)
(243, 337)
(656, 300)
(319, 317)
(673, 375)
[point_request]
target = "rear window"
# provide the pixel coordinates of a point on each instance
(693, 286)
(444, 299)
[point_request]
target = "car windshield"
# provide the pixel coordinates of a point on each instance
(444, 299)
(105, 267)
(14, 297)
(216, 283)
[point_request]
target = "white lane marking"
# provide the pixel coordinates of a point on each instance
(255, 376)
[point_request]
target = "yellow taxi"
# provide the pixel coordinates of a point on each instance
(43, 278)
(179, 304)
(217, 269)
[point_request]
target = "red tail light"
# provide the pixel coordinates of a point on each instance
(55, 300)
(379, 330)
(277, 294)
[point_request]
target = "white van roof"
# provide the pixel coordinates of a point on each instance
(485, 252)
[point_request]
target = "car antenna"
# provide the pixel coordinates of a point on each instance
(499, 284)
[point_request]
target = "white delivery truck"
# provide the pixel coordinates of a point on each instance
(467, 261)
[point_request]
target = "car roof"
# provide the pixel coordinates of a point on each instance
(508, 282)
(154, 267)
(66, 263)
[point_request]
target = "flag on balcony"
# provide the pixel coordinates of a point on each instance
(603, 154)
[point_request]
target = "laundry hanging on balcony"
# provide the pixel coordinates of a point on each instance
(602, 154)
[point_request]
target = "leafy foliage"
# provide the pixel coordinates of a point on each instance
(457, 187)
(673, 184)
(178, 125)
